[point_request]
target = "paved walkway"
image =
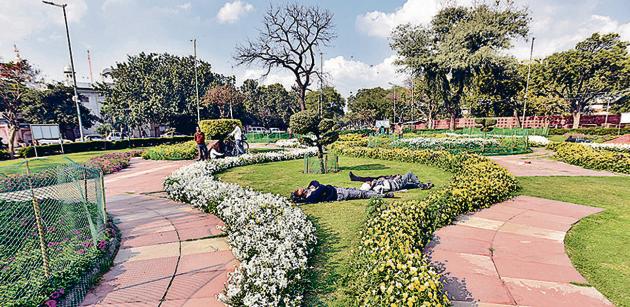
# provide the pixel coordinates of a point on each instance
(539, 163)
(513, 254)
(170, 254)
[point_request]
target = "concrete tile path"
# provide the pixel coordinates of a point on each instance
(539, 163)
(513, 254)
(170, 254)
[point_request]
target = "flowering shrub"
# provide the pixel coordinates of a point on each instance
(588, 157)
(444, 143)
(538, 140)
(610, 146)
(71, 252)
(113, 162)
(179, 151)
(288, 143)
(270, 237)
(389, 266)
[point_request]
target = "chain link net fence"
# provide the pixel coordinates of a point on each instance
(53, 234)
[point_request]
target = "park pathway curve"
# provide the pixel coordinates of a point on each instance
(540, 163)
(513, 254)
(170, 254)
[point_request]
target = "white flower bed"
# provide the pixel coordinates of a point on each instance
(444, 143)
(609, 146)
(538, 140)
(269, 236)
(289, 143)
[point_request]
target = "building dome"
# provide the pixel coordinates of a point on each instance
(67, 70)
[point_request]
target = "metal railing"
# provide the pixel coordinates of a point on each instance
(52, 233)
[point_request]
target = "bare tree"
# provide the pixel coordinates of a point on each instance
(289, 39)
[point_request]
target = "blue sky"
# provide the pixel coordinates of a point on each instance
(360, 56)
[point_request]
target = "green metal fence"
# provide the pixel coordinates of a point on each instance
(52, 234)
(312, 164)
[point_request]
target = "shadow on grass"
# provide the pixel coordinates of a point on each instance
(323, 277)
(364, 167)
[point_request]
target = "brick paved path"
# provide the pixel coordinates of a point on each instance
(513, 254)
(170, 254)
(539, 163)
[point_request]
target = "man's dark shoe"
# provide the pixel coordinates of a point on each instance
(352, 176)
(427, 186)
(389, 195)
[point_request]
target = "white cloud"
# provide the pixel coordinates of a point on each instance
(381, 24)
(346, 75)
(231, 12)
(19, 19)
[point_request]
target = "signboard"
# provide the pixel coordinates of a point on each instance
(45, 131)
(625, 118)
(382, 123)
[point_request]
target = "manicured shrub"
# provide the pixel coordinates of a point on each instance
(4, 155)
(180, 151)
(113, 162)
(389, 267)
(48, 150)
(588, 157)
(218, 128)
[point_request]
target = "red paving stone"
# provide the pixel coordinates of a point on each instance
(525, 263)
(166, 257)
(539, 163)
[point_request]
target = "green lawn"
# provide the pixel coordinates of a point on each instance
(10, 167)
(599, 245)
(338, 223)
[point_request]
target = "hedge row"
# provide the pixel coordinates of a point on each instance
(590, 131)
(48, 150)
(389, 267)
(588, 157)
(179, 151)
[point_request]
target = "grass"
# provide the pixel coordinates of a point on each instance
(10, 167)
(598, 244)
(338, 223)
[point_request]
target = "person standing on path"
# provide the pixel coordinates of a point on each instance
(200, 139)
(237, 134)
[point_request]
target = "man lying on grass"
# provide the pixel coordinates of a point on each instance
(391, 183)
(317, 192)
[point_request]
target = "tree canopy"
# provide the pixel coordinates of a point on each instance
(457, 44)
(156, 88)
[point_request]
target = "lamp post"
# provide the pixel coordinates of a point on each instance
(194, 41)
(74, 75)
(531, 52)
(394, 104)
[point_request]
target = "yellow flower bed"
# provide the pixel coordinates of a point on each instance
(588, 157)
(179, 151)
(389, 267)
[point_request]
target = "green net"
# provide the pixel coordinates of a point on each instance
(312, 164)
(52, 231)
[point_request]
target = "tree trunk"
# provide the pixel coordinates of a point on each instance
(518, 119)
(451, 125)
(12, 132)
(430, 119)
(320, 156)
(302, 99)
(576, 119)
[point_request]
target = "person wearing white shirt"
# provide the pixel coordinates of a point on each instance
(237, 134)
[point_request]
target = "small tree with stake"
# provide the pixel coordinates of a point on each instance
(324, 131)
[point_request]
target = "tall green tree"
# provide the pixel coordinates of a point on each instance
(268, 106)
(328, 100)
(458, 43)
(15, 76)
(369, 105)
(156, 88)
(54, 105)
(597, 68)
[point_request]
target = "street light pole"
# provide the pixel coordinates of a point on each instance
(394, 105)
(74, 75)
(321, 83)
(529, 69)
(194, 40)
